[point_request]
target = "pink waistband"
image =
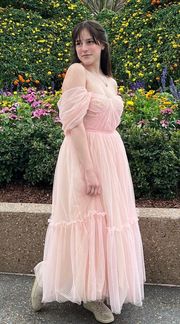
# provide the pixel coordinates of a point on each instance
(100, 131)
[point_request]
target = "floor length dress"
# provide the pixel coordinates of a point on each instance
(93, 248)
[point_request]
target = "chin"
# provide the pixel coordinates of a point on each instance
(87, 62)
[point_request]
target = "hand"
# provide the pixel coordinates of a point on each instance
(92, 183)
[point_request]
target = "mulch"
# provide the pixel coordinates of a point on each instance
(23, 193)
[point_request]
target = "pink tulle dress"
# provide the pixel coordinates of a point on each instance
(93, 248)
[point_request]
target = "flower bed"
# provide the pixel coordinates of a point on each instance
(31, 135)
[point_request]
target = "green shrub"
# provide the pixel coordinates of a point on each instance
(44, 147)
(154, 161)
(35, 40)
(35, 46)
(14, 150)
(158, 110)
(144, 40)
(31, 136)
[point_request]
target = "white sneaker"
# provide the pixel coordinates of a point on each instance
(101, 312)
(36, 296)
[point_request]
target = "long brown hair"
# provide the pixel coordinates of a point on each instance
(98, 33)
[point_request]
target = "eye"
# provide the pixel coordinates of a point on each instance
(78, 43)
(90, 41)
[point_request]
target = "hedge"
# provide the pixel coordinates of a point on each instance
(35, 40)
(31, 136)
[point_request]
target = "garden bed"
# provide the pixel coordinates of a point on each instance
(43, 195)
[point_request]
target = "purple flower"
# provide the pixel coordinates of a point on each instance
(51, 110)
(141, 123)
(57, 120)
(167, 111)
(173, 89)
(164, 123)
(12, 109)
(30, 90)
(29, 97)
(36, 103)
(4, 110)
(38, 113)
(137, 85)
(47, 105)
(8, 93)
(13, 116)
(16, 104)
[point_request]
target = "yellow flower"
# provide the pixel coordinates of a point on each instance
(141, 74)
(130, 103)
(121, 89)
(49, 73)
(150, 93)
(167, 102)
(141, 90)
(41, 41)
(128, 72)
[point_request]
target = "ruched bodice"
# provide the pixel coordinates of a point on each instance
(103, 114)
(99, 112)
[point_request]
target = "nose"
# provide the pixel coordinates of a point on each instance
(84, 46)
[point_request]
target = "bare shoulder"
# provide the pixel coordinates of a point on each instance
(75, 77)
(76, 67)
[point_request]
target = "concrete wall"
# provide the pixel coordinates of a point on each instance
(23, 229)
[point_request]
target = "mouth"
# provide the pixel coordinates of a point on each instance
(86, 55)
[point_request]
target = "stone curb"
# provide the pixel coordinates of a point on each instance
(23, 229)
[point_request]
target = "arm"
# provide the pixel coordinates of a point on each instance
(76, 76)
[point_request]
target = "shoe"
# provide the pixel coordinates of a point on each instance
(36, 296)
(101, 312)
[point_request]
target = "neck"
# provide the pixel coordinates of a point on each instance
(94, 69)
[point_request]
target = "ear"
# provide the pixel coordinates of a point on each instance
(102, 47)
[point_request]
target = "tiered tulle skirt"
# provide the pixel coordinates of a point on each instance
(93, 247)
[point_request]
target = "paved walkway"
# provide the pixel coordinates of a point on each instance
(161, 306)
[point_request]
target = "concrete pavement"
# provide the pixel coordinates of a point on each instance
(161, 306)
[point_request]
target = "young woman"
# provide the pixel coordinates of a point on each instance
(93, 248)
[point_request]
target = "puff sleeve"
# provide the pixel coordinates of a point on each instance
(73, 106)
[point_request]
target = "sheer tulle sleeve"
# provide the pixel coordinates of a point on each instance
(73, 106)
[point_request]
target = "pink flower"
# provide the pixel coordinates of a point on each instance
(4, 110)
(12, 109)
(57, 120)
(164, 123)
(178, 122)
(13, 116)
(47, 105)
(141, 123)
(30, 97)
(38, 113)
(167, 111)
(36, 103)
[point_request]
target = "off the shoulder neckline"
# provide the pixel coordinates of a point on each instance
(91, 92)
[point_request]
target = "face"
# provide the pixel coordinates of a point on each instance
(87, 50)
